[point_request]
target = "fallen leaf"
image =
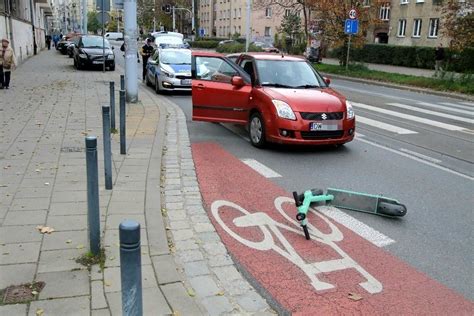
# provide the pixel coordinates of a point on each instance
(354, 296)
(45, 229)
(34, 292)
(112, 258)
(39, 312)
(220, 293)
(68, 241)
(168, 228)
(144, 253)
(81, 246)
(107, 283)
(5, 253)
(38, 170)
(46, 183)
(191, 292)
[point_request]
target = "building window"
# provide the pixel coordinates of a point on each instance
(384, 13)
(434, 25)
(268, 31)
(402, 27)
(420, 1)
(287, 12)
(404, 1)
(240, 12)
(268, 12)
(235, 13)
(417, 28)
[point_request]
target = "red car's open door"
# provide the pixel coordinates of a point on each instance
(220, 90)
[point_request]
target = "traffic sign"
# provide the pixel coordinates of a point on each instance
(201, 32)
(351, 26)
(353, 14)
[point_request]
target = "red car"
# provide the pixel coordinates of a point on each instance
(280, 99)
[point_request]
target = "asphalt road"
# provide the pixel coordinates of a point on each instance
(422, 155)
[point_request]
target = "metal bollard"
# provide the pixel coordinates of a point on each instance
(131, 268)
(107, 147)
(93, 216)
(123, 114)
(112, 104)
(122, 82)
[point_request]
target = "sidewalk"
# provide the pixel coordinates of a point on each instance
(389, 68)
(45, 116)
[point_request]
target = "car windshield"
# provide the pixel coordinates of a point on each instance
(288, 74)
(176, 57)
(94, 42)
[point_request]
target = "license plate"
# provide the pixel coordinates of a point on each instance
(319, 126)
(186, 82)
(97, 62)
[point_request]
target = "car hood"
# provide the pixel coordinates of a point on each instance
(309, 100)
(96, 51)
(178, 68)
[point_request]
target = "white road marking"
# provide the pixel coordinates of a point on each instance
(434, 113)
(385, 126)
(462, 175)
(414, 153)
(468, 103)
(457, 105)
(261, 168)
(361, 229)
(359, 134)
(410, 117)
(447, 108)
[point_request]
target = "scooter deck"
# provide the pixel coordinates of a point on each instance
(363, 202)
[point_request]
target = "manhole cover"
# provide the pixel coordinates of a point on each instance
(72, 149)
(22, 293)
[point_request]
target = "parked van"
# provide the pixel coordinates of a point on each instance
(114, 36)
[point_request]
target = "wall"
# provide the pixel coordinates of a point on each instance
(22, 40)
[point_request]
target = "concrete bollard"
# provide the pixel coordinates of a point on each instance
(107, 147)
(93, 209)
(122, 82)
(112, 104)
(123, 114)
(131, 268)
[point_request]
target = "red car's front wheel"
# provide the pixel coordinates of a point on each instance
(257, 130)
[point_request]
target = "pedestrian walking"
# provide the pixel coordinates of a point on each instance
(146, 52)
(48, 41)
(7, 63)
(56, 40)
(439, 59)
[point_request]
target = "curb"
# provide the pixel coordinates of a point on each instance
(459, 96)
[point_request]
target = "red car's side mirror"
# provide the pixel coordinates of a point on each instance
(327, 80)
(237, 81)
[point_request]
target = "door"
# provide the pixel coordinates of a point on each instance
(215, 97)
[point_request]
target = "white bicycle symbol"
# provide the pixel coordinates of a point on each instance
(268, 226)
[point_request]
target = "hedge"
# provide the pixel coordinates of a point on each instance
(236, 48)
(204, 44)
(408, 56)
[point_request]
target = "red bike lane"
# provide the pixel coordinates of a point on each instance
(337, 272)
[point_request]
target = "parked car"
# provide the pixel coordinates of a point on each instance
(266, 47)
(281, 99)
(312, 54)
(164, 39)
(62, 45)
(88, 52)
(114, 36)
(225, 42)
(169, 69)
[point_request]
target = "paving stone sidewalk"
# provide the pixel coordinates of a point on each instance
(44, 119)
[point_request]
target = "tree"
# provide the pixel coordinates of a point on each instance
(291, 24)
(458, 23)
(92, 22)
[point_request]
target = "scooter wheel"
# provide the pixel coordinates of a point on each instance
(391, 209)
(300, 216)
(306, 232)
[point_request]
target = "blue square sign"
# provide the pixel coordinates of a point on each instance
(351, 26)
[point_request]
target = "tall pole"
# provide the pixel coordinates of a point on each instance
(193, 23)
(35, 48)
(103, 34)
(131, 71)
(247, 26)
(84, 16)
(348, 50)
(174, 19)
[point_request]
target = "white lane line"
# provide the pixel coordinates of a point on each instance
(385, 126)
(468, 103)
(416, 159)
(361, 229)
(434, 113)
(359, 134)
(456, 105)
(447, 108)
(261, 168)
(414, 153)
(410, 117)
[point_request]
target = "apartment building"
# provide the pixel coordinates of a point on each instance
(416, 23)
(224, 18)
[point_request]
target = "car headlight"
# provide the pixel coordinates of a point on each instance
(284, 110)
(167, 73)
(110, 56)
(350, 110)
(82, 55)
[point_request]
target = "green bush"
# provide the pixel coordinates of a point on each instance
(204, 44)
(408, 56)
(236, 48)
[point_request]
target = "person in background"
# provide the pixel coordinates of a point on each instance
(439, 59)
(146, 52)
(7, 63)
(48, 41)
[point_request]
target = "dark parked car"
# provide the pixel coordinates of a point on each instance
(88, 52)
(62, 46)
